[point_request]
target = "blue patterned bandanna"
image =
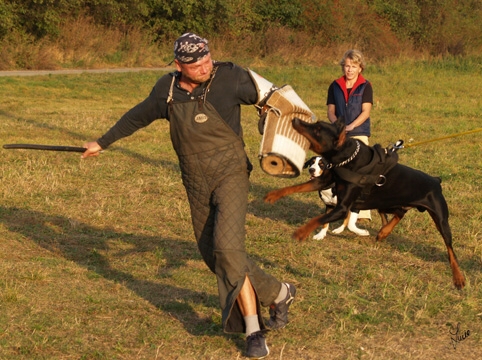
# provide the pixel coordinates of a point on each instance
(190, 48)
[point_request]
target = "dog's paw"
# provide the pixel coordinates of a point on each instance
(300, 234)
(360, 232)
(338, 230)
(272, 197)
(459, 280)
(321, 235)
(382, 235)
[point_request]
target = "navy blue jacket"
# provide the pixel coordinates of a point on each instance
(350, 106)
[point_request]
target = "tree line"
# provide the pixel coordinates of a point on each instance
(438, 26)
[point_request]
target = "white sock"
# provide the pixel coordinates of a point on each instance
(252, 324)
(282, 293)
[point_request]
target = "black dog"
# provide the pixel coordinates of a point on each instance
(370, 178)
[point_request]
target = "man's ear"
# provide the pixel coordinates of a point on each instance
(178, 65)
(341, 132)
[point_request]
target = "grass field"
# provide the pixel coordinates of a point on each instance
(98, 259)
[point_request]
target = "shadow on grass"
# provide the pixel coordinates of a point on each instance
(296, 212)
(81, 243)
(287, 209)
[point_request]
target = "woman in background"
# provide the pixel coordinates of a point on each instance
(351, 97)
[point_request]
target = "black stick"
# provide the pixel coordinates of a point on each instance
(44, 147)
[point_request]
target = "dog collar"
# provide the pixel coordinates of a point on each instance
(331, 165)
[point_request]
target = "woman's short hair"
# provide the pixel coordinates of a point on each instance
(355, 56)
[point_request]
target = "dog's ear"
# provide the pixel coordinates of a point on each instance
(340, 129)
(340, 124)
(309, 162)
(321, 163)
(341, 139)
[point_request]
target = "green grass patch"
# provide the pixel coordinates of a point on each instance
(98, 259)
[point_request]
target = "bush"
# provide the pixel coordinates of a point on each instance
(48, 33)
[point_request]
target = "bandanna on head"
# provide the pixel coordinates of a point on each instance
(190, 48)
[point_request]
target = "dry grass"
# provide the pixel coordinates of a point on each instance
(98, 261)
(83, 44)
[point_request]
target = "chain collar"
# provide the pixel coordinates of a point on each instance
(331, 165)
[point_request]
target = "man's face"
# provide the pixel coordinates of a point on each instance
(197, 72)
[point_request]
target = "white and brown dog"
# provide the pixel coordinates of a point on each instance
(315, 167)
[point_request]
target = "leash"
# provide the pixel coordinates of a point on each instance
(438, 139)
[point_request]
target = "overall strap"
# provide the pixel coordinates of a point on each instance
(171, 88)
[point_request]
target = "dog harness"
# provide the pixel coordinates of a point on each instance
(371, 174)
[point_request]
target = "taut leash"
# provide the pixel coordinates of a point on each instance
(440, 138)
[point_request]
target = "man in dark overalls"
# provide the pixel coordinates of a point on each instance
(202, 102)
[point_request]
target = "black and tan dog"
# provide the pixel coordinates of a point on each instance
(370, 178)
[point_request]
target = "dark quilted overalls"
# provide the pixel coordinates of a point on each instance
(214, 172)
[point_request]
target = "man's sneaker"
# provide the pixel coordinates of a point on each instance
(256, 346)
(279, 312)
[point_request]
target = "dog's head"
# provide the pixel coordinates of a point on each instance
(315, 166)
(323, 136)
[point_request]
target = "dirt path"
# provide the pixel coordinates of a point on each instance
(77, 71)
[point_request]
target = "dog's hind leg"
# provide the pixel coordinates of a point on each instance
(388, 227)
(383, 217)
(458, 277)
(440, 218)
